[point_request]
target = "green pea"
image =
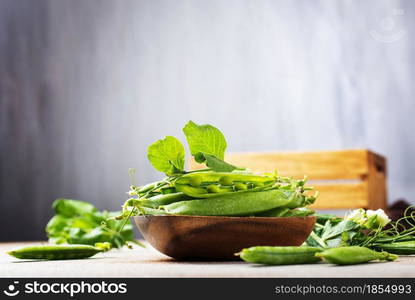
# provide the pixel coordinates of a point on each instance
(232, 204)
(195, 181)
(190, 190)
(226, 180)
(213, 188)
(217, 189)
(353, 255)
(406, 248)
(54, 252)
(280, 255)
(241, 187)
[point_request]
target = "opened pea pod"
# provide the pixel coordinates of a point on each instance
(209, 184)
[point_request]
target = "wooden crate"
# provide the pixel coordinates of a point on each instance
(346, 179)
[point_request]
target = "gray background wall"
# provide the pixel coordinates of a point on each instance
(85, 86)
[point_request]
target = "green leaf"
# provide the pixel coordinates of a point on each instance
(217, 164)
(78, 222)
(204, 139)
(71, 208)
(56, 225)
(167, 155)
(338, 229)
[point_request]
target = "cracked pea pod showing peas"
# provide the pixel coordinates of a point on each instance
(209, 184)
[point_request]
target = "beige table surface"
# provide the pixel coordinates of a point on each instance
(140, 262)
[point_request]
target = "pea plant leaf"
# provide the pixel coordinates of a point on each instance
(336, 230)
(79, 222)
(204, 139)
(71, 207)
(207, 144)
(167, 155)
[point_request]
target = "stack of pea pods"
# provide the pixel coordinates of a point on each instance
(208, 193)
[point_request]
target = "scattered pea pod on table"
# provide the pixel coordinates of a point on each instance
(60, 252)
(405, 248)
(353, 255)
(280, 255)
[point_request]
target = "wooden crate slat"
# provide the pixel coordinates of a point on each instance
(350, 164)
(341, 196)
(376, 179)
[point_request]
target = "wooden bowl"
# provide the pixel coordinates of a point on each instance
(219, 238)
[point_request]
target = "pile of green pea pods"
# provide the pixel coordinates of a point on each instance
(208, 193)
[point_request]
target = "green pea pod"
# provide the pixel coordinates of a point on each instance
(405, 248)
(232, 204)
(353, 255)
(299, 212)
(280, 255)
(147, 211)
(54, 252)
(298, 200)
(162, 199)
(147, 187)
(275, 212)
(323, 218)
(286, 212)
(168, 190)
